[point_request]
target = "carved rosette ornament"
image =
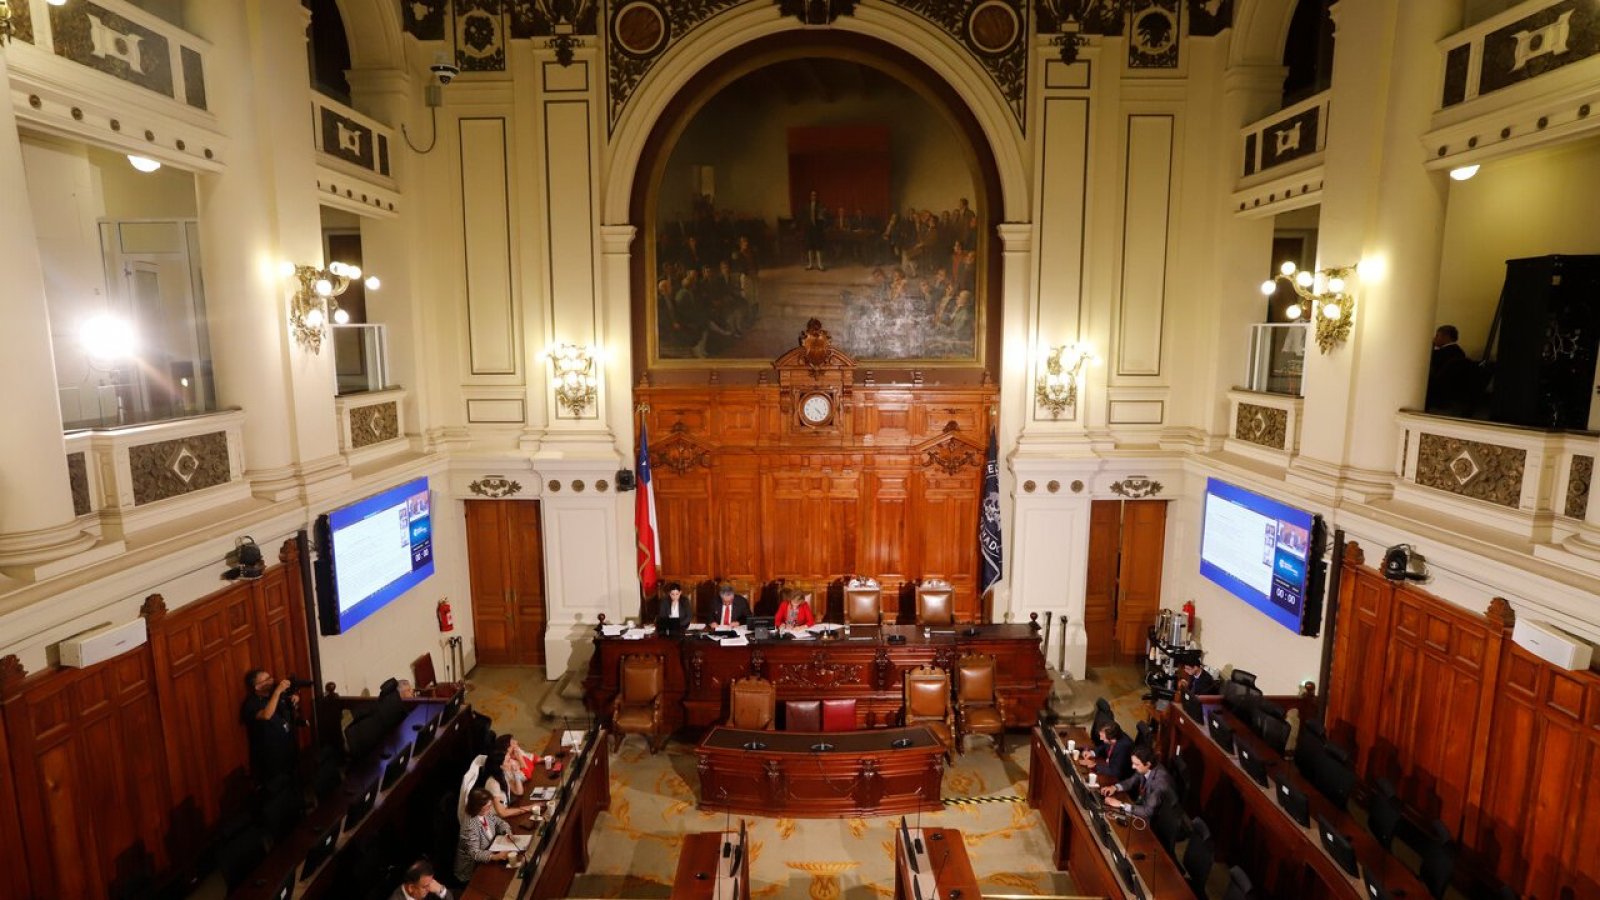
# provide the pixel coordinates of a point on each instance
(679, 452)
(1135, 487)
(951, 451)
(870, 783)
(495, 487)
(154, 609)
(818, 672)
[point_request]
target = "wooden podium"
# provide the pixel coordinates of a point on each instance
(820, 774)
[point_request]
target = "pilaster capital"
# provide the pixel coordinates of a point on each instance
(617, 239)
(377, 82)
(1015, 237)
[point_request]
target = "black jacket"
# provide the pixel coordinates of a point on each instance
(741, 611)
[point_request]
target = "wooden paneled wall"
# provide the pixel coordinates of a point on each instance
(1501, 746)
(118, 769)
(892, 493)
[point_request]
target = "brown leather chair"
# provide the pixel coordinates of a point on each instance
(752, 703)
(979, 709)
(863, 602)
(638, 707)
(839, 715)
(927, 703)
(802, 715)
(936, 602)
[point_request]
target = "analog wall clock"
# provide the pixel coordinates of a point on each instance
(816, 408)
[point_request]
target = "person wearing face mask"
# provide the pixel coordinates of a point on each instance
(418, 883)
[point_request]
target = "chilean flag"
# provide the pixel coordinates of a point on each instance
(644, 517)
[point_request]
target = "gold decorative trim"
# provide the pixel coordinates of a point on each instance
(1580, 477)
(495, 487)
(1134, 487)
(1472, 469)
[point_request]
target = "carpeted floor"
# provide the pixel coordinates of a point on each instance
(653, 804)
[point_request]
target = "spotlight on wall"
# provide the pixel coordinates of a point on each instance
(316, 299)
(245, 560)
(573, 368)
(1462, 173)
(1056, 386)
(143, 163)
(1403, 563)
(1324, 295)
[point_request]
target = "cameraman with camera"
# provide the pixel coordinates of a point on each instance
(269, 721)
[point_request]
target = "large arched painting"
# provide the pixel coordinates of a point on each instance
(817, 187)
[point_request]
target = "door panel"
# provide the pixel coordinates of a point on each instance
(1099, 602)
(491, 589)
(1144, 532)
(527, 581)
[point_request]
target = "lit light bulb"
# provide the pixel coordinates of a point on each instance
(1268, 287)
(1293, 311)
(340, 317)
(142, 163)
(1287, 268)
(56, 2)
(1336, 284)
(1304, 279)
(1463, 173)
(373, 283)
(352, 272)
(314, 317)
(336, 268)
(108, 337)
(1332, 311)
(286, 269)
(323, 287)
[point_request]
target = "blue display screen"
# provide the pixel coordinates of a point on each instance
(382, 547)
(1258, 550)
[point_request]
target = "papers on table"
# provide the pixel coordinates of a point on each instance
(510, 843)
(572, 740)
(824, 627)
(612, 630)
(627, 631)
(542, 793)
(736, 641)
(697, 626)
(801, 634)
(637, 634)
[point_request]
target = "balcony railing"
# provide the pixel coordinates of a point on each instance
(1281, 157)
(1264, 426)
(353, 159)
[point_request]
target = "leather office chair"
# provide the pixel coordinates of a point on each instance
(1199, 855)
(936, 602)
(863, 602)
(1103, 716)
(839, 714)
(1383, 812)
(979, 710)
(802, 715)
(1239, 886)
(752, 703)
(927, 703)
(638, 707)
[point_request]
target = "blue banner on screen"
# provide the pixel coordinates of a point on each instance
(382, 547)
(1258, 550)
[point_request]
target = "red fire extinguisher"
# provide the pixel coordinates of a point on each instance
(1188, 610)
(447, 619)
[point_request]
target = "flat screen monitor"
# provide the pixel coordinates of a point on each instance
(359, 809)
(1262, 552)
(1253, 765)
(319, 853)
(1222, 734)
(396, 767)
(426, 734)
(1294, 803)
(453, 706)
(1338, 847)
(285, 889)
(372, 552)
(1375, 888)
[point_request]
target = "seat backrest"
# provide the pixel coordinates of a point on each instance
(1275, 732)
(422, 675)
(863, 602)
(1168, 824)
(1200, 854)
(1239, 886)
(641, 680)
(802, 715)
(751, 703)
(1383, 813)
(1240, 676)
(1103, 716)
(936, 602)
(927, 693)
(1438, 864)
(975, 680)
(468, 781)
(839, 714)
(1335, 779)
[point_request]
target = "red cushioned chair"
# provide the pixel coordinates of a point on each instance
(802, 715)
(839, 715)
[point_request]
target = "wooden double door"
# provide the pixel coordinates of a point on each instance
(1123, 592)
(505, 557)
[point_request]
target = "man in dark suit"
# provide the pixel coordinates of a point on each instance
(1112, 755)
(418, 883)
(672, 610)
(1450, 374)
(1150, 786)
(733, 609)
(1197, 681)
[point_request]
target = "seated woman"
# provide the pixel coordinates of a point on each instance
(492, 780)
(519, 764)
(674, 611)
(795, 610)
(477, 834)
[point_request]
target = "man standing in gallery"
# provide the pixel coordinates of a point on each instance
(815, 222)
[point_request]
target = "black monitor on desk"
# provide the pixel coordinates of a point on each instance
(1293, 802)
(1375, 888)
(396, 767)
(425, 735)
(454, 705)
(285, 889)
(1221, 733)
(1253, 765)
(760, 627)
(1338, 846)
(319, 853)
(359, 809)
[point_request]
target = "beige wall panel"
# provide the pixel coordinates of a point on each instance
(1062, 191)
(1148, 180)
(569, 185)
(485, 190)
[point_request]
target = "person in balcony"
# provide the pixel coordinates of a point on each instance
(1452, 376)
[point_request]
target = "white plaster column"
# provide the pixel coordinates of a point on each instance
(37, 526)
(258, 213)
(1381, 209)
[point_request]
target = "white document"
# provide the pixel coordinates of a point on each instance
(612, 630)
(510, 843)
(572, 740)
(635, 634)
(740, 641)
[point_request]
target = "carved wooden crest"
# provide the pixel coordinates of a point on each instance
(679, 452)
(951, 451)
(816, 352)
(817, 672)
(1135, 487)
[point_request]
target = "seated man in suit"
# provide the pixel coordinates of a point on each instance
(478, 832)
(1112, 756)
(673, 612)
(418, 883)
(1150, 786)
(1197, 681)
(733, 609)
(795, 610)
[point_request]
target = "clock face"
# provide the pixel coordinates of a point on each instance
(816, 409)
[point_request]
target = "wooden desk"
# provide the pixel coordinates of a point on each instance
(388, 810)
(1251, 830)
(696, 878)
(560, 849)
(864, 666)
(1079, 850)
(862, 774)
(952, 868)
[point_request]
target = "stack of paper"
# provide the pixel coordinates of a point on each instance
(612, 630)
(739, 641)
(510, 843)
(572, 740)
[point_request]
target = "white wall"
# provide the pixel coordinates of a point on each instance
(1534, 204)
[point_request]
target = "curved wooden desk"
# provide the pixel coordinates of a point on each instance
(820, 775)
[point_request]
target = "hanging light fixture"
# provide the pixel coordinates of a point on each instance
(315, 300)
(1323, 294)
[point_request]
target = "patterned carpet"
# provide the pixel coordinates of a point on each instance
(635, 846)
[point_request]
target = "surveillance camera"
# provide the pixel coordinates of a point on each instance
(444, 72)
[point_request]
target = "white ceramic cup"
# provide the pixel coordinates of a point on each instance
(1072, 747)
(1093, 779)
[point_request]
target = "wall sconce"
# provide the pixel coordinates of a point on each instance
(574, 377)
(1326, 292)
(1056, 388)
(315, 301)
